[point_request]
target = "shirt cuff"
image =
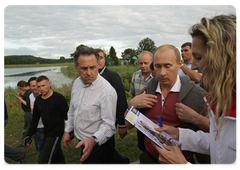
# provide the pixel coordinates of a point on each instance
(181, 135)
(188, 163)
(122, 126)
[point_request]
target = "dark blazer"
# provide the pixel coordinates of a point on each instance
(114, 79)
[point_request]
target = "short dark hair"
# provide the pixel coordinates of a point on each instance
(100, 50)
(85, 51)
(187, 44)
(22, 83)
(152, 66)
(41, 78)
(31, 79)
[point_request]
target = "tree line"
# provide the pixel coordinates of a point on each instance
(111, 56)
(29, 59)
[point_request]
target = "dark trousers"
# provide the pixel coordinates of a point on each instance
(101, 154)
(52, 152)
(27, 122)
(118, 158)
(9, 151)
(147, 158)
(141, 138)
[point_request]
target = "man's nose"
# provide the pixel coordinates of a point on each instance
(88, 72)
(162, 72)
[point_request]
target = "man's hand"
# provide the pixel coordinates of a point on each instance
(27, 141)
(143, 101)
(88, 146)
(66, 140)
(122, 132)
(185, 113)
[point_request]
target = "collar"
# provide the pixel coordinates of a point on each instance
(141, 75)
(187, 64)
(175, 88)
(101, 72)
(231, 111)
(93, 83)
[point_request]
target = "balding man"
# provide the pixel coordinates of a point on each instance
(162, 95)
(139, 82)
(141, 77)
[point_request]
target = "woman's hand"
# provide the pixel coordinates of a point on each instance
(170, 156)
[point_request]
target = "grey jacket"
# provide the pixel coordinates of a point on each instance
(190, 94)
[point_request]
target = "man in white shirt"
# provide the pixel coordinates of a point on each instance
(39, 136)
(92, 112)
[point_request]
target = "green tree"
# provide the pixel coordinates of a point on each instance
(113, 56)
(81, 45)
(128, 53)
(146, 45)
(62, 59)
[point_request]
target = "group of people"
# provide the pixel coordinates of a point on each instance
(193, 93)
(199, 109)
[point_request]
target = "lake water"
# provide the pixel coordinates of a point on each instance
(13, 75)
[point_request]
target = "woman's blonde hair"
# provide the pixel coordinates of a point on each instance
(219, 73)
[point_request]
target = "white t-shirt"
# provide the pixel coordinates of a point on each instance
(32, 100)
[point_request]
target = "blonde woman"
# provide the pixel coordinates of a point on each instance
(214, 52)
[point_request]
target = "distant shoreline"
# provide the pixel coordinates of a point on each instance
(37, 65)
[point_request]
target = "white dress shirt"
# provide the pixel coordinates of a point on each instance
(92, 110)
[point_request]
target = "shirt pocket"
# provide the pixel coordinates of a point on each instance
(91, 113)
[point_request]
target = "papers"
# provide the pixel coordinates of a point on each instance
(146, 126)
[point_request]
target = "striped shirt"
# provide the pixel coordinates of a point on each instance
(92, 110)
(138, 83)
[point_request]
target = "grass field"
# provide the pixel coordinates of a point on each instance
(13, 130)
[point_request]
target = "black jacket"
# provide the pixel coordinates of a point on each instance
(114, 79)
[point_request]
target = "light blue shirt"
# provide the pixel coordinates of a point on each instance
(181, 73)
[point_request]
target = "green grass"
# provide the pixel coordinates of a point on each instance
(13, 130)
(125, 72)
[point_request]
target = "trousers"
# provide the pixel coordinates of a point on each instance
(52, 152)
(101, 154)
(8, 151)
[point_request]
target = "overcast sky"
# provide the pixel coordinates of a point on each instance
(54, 31)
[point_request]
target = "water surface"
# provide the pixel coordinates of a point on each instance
(13, 75)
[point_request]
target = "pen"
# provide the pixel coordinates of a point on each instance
(231, 148)
(159, 121)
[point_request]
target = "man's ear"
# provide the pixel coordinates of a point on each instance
(180, 63)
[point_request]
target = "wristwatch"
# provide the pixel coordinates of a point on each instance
(95, 139)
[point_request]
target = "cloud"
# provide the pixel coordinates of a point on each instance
(49, 31)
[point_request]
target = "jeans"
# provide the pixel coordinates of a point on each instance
(39, 140)
(8, 151)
